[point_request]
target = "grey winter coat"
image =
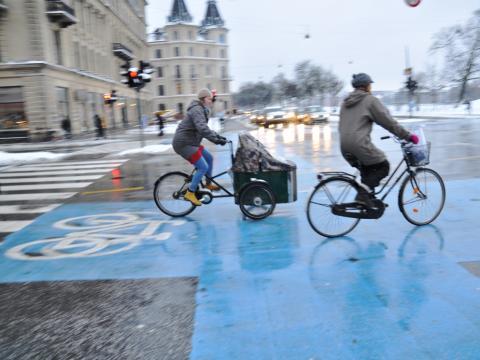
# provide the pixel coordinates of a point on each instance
(192, 129)
(358, 113)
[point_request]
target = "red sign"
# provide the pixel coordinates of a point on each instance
(413, 3)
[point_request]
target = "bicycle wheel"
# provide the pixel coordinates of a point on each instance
(421, 196)
(256, 201)
(168, 194)
(327, 193)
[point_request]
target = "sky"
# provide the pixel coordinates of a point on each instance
(346, 36)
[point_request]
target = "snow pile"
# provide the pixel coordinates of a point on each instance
(150, 149)
(28, 157)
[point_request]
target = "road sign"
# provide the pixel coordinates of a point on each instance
(413, 3)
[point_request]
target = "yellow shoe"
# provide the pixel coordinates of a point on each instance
(190, 196)
(212, 187)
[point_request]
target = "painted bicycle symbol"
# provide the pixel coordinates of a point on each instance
(96, 235)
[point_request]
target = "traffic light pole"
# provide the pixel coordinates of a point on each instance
(140, 123)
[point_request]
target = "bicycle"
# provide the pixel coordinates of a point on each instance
(421, 196)
(255, 197)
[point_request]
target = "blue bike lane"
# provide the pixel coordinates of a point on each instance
(274, 289)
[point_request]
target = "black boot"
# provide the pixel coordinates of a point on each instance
(365, 198)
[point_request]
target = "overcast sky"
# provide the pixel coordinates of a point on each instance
(346, 36)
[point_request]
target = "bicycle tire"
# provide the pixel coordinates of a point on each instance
(329, 192)
(168, 196)
(256, 201)
(415, 192)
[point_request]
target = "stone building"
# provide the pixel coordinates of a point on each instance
(59, 57)
(187, 57)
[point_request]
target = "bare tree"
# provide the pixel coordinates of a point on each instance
(461, 45)
(431, 81)
(283, 88)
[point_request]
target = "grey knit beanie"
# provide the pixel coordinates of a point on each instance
(360, 80)
(203, 93)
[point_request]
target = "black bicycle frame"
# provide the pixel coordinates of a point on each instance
(212, 179)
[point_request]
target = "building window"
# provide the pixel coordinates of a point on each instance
(224, 72)
(190, 35)
(177, 51)
(207, 53)
(58, 47)
(194, 87)
(180, 108)
(222, 53)
(162, 107)
(160, 72)
(175, 35)
(158, 53)
(62, 103)
(179, 88)
(209, 86)
(190, 51)
(225, 87)
(208, 70)
(12, 108)
(161, 90)
(221, 38)
(192, 72)
(178, 73)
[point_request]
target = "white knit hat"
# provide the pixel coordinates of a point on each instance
(203, 93)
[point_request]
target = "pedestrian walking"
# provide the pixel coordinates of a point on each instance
(99, 127)
(67, 127)
(161, 122)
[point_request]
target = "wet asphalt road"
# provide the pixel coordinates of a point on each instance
(107, 308)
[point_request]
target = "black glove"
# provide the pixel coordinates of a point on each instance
(221, 140)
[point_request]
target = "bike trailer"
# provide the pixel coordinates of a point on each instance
(253, 162)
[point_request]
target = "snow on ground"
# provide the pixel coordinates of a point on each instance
(150, 149)
(441, 110)
(170, 128)
(28, 157)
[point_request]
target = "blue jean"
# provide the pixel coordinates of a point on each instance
(204, 165)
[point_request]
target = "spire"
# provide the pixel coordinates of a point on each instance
(179, 12)
(212, 17)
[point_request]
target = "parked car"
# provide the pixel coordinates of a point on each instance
(314, 114)
(275, 115)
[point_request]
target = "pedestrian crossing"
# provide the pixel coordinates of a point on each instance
(27, 191)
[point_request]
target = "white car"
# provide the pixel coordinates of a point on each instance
(274, 115)
(315, 114)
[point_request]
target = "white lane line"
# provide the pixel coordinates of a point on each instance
(11, 226)
(26, 209)
(464, 158)
(36, 196)
(53, 172)
(93, 162)
(49, 179)
(52, 167)
(45, 186)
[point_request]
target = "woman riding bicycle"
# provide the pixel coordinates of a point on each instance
(358, 113)
(186, 142)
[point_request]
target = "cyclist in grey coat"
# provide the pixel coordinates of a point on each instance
(188, 136)
(358, 113)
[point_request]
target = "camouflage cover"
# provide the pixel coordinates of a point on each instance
(252, 156)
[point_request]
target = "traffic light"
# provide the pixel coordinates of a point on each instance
(411, 85)
(136, 77)
(110, 98)
(144, 71)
